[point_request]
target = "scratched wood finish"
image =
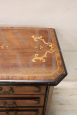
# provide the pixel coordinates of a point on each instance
(29, 54)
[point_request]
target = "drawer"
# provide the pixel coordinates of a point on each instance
(28, 100)
(5, 90)
(27, 111)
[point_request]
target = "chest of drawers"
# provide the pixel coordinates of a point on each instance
(30, 62)
(22, 100)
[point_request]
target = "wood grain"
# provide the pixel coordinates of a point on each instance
(21, 90)
(28, 100)
(29, 54)
(19, 111)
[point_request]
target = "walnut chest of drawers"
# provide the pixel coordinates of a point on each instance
(30, 62)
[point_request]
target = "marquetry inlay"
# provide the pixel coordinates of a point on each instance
(44, 56)
(29, 54)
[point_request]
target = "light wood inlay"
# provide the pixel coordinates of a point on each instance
(29, 54)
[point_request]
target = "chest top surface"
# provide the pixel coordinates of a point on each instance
(30, 54)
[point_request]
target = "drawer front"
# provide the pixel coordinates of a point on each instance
(5, 90)
(35, 112)
(33, 100)
(27, 111)
(20, 113)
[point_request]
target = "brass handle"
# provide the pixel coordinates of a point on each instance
(10, 91)
(12, 104)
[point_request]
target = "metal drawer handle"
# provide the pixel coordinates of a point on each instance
(10, 91)
(13, 104)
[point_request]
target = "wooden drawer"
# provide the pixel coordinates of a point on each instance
(26, 111)
(5, 90)
(27, 100)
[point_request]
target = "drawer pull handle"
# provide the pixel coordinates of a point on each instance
(10, 91)
(12, 104)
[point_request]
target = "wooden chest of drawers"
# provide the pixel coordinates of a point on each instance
(22, 100)
(30, 62)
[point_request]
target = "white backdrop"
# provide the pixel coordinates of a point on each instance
(59, 14)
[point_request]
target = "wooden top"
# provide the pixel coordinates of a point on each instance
(30, 54)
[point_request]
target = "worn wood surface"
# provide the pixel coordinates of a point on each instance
(29, 54)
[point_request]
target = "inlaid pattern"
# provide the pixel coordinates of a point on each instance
(29, 54)
(42, 58)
